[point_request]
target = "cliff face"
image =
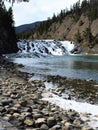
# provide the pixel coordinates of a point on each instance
(68, 28)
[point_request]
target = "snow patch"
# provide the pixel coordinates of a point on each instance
(92, 110)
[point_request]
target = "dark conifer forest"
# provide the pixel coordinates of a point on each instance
(7, 31)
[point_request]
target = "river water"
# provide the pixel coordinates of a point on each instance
(73, 66)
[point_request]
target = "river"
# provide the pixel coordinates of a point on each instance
(72, 66)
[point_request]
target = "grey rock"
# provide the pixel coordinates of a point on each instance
(6, 102)
(35, 115)
(44, 127)
(4, 125)
(56, 127)
(51, 122)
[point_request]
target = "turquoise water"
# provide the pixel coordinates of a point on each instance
(79, 66)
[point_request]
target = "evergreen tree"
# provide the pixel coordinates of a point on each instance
(84, 6)
(89, 37)
(54, 18)
(7, 31)
(78, 37)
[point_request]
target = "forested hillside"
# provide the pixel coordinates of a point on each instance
(79, 24)
(26, 27)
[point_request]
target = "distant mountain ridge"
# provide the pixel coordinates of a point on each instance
(26, 27)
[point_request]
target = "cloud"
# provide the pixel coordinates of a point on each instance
(38, 10)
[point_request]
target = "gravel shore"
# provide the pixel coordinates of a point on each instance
(21, 107)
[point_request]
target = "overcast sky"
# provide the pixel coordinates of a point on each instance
(38, 10)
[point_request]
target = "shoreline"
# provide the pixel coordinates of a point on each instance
(22, 107)
(85, 54)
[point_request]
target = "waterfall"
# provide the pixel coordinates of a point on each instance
(45, 47)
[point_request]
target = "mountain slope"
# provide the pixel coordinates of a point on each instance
(26, 27)
(68, 28)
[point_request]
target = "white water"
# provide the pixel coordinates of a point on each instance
(46, 47)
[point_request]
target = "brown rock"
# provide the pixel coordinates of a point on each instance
(40, 121)
(29, 122)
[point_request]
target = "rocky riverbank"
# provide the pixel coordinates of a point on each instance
(21, 104)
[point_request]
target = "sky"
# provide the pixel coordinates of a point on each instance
(38, 10)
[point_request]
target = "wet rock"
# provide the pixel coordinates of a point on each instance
(6, 102)
(51, 122)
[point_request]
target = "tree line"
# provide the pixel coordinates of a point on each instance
(7, 31)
